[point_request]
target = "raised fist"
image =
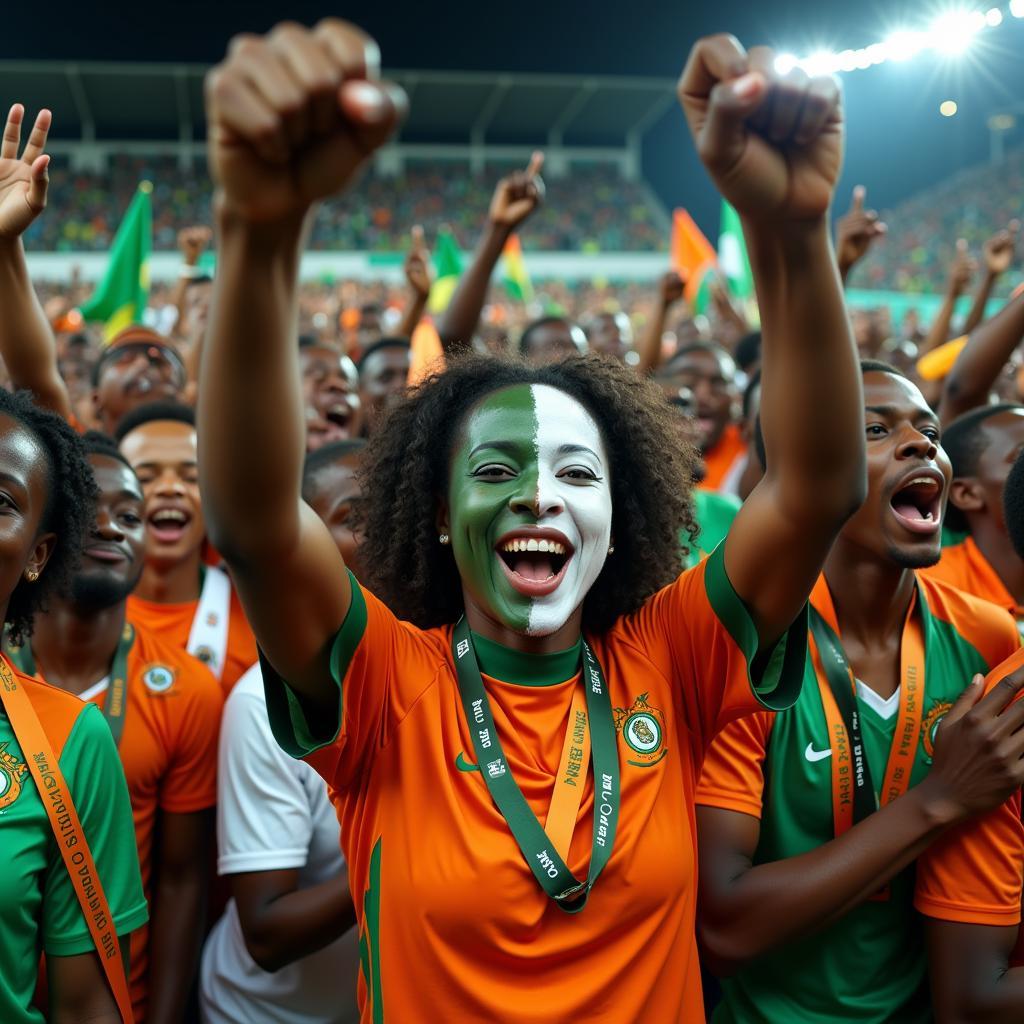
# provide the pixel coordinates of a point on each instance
(22, 182)
(293, 115)
(192, 242)
(670, 287)
(773, 144)
(855, 231)
(518, 195)
(999, 249)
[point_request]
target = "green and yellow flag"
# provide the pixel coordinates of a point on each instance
(517, 280)
(120, 298)
(447, 268)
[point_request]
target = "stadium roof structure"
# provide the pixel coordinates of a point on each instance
(104, 102)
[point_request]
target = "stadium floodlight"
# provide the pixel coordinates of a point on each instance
(993, 17)
(904, 45)
(1017, 8)
(863, 60)
(785, 62)
(953, 31)
(947, 108)
(821, 63)
(847, 60)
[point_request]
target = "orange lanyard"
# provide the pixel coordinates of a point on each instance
(572, 776)
(847, 760)
(68, 834)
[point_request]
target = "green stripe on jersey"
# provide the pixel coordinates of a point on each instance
(871, 966)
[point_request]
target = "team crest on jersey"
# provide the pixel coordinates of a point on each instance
(12, 772)
(930, 726)
(158, 678)
(643, 729)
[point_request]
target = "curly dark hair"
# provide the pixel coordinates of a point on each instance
(405, 471)
(69, 512)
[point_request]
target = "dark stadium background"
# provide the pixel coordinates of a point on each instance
(898, 142)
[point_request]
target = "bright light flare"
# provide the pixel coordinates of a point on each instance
(785, 62)
(1017, 8)
(904, 45)
(952, 32)
(993, 17)
(821, 63)
(947, 108)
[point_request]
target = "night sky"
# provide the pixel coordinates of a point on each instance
(898, 143)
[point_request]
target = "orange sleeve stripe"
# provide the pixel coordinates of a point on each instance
(944, 910)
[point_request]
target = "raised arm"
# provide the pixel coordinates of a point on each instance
(747, 910)
(856, 231)
(670, 290)
(998, 252)
(291, 117)
(419, 278)
(773, 144)
(515, 198)
(960, 274)
(27, 344)
(192, 243)
(983, 358)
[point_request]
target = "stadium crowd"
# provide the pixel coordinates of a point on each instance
(464, 636)
(592, 209)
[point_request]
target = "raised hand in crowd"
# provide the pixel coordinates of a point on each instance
(292, 116)
(670, 290)
(419, 277)
(516, 196)
(961, 271)
(856, 232)
(997, 256)
(773, 145)
(27, 345)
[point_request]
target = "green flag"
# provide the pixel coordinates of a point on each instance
(733, 262)
(120, 298)
(447, 267)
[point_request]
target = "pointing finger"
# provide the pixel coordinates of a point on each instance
(859, 192)
(536, 163)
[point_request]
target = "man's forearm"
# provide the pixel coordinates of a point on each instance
(977, 313)
(772, 904)
(175, 938)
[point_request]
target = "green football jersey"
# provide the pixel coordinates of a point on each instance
(714, 514)
(871, 965)
(38, 907)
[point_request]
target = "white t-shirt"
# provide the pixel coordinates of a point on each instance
(272, 813)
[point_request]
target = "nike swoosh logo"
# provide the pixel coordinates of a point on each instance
(813, 755)
(464, 766)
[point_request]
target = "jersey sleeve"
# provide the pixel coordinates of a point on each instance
(380, 666)
(733, 774)
(973, 874)
(700, 634)
(191, 781)
(264, 820)
(94, 776)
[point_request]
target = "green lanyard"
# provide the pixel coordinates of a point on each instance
(540, 854)
(116, 704)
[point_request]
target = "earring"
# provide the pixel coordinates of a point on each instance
(31, 575)
(444, 538)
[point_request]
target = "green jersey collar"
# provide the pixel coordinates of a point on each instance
(500, 662)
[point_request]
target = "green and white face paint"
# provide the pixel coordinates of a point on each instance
(530, 506)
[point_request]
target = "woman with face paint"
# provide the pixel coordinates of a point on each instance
(513, 712)
(46, 496)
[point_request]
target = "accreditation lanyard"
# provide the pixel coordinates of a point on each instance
(116, 704)
(543, 849)
(854, 796)
(68, 834)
